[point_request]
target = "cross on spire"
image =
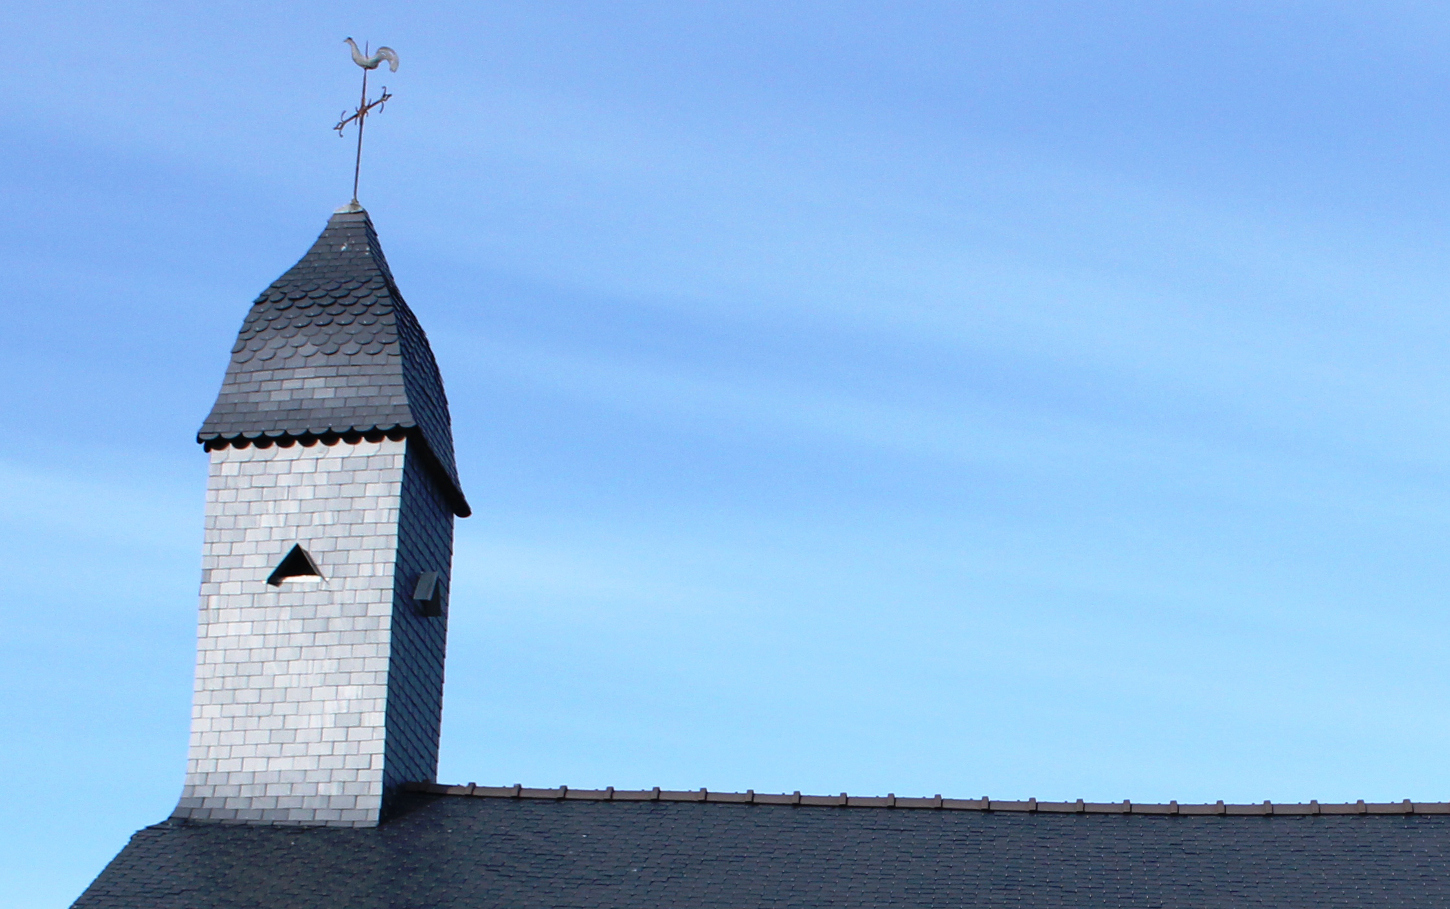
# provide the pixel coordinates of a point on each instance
(365, 107)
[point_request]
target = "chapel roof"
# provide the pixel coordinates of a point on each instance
(522, 848)
(331, 348)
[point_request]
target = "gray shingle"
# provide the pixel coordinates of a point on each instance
(338, 315)
(447, 852)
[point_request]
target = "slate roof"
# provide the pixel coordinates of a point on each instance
(332, 348)
(609, 849)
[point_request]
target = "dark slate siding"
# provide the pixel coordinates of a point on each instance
(331, 347)
(419, 643)
(451, 852)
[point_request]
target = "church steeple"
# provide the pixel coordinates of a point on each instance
(328, 550)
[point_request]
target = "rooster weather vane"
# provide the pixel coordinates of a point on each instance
(365, 106)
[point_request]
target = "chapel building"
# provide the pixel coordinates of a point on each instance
(322, 630)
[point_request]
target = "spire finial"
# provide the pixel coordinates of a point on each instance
(365, 107)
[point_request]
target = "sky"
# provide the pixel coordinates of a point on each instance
(1022, 399)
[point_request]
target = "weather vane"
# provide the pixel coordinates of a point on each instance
(365, 106)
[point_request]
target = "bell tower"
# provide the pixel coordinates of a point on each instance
(323, 617)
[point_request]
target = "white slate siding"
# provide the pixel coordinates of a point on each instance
(291, 717)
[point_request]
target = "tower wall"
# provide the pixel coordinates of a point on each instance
(314, 699)
(415, 673)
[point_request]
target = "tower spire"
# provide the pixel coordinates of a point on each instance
(328, 551)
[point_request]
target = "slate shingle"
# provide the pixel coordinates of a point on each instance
(447, 852)
(331, 347)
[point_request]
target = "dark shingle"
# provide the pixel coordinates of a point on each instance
(331, 347)
(447, 852)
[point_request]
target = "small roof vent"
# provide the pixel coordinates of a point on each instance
(296, 565)
(428, 594)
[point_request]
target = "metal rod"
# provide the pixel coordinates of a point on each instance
(362, 118)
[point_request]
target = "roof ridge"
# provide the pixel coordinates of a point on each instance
(891, 800)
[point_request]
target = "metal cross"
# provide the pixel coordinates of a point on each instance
(365, 107)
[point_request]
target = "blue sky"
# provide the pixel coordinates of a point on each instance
(1007, 398)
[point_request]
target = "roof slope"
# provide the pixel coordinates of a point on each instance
(331, 347)
(450, 852)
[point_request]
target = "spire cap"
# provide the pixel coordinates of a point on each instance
(331, 348)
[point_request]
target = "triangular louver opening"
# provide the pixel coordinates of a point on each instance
(295, 565)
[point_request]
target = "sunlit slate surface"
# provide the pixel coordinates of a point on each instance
(448, 852)
(331, 347)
